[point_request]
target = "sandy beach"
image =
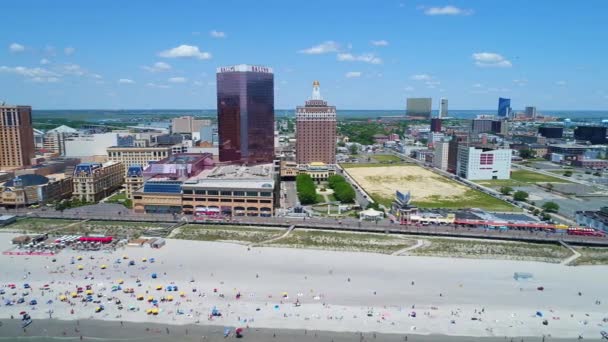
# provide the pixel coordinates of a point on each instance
(334, 291)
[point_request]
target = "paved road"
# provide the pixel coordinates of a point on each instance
(350, 224)
(361, 197)
(291, 195)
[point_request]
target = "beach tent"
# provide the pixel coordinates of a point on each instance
(522, 275)
(140, 297)
(154, 276)
(169, 297)
(74, 294)
(63, 298)
(182, 294)
(150, 298)
(103, 267)
(80, 267)
(159, 287)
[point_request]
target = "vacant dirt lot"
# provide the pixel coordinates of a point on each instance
(423, 184)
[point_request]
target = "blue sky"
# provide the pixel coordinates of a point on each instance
(367, 54)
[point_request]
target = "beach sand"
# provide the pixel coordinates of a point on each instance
(109, 331)
(336, 290)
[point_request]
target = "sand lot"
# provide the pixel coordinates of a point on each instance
(423, 184)
(337, 291)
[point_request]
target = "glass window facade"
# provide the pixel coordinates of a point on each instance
(504, 107)
(245, 102)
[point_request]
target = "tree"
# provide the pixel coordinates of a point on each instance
(305, 186)
(506, 190)
(527, 153)
(551, 207)
(343, 191)
(520, 195)
(567, 173)
(353, 149)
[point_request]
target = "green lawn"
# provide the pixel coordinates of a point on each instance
(38, 225)
(386, 158)
(113, 228)
(355, 165)
(521, 178)
(526, 176)
(227, 233)
(120, 198)
(358, 242)
(493, 250)
(592, 256)
(471, 199)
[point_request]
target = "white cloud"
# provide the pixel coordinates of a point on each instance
(408, 88)
(477, 85)
(491, 60)
(325, 47)
(29, 72)
(521, 82)
(45, 61)
(432, 84)
(367, 58)
(73, 69)
(97, 76)
(561, 83)
(69, 50)
(421, 77)
(177, 80)
(353, 74)
(198, 83)
(157, 67)
(14, 47)
(379, 42)
(125, 81)
(447, 10)
(185, 51)
(217, 34)
(160, 86)
(45, 79)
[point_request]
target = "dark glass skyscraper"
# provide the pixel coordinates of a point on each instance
(504, 107)
(245, 111)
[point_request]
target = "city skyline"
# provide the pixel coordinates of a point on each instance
(371, 56)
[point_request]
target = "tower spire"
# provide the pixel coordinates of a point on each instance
(316, 90)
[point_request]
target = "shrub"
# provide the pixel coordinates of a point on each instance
(520, 195)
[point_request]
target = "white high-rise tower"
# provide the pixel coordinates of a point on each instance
(443, 107)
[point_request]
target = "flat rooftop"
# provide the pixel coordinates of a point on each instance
(235, 176)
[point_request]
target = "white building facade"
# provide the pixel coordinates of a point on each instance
(440, 159)
(90, 145)
(443, 107)
(475, 163)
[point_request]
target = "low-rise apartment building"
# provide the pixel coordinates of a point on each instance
(94, 181)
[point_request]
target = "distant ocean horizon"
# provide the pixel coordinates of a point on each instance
(111, 115)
